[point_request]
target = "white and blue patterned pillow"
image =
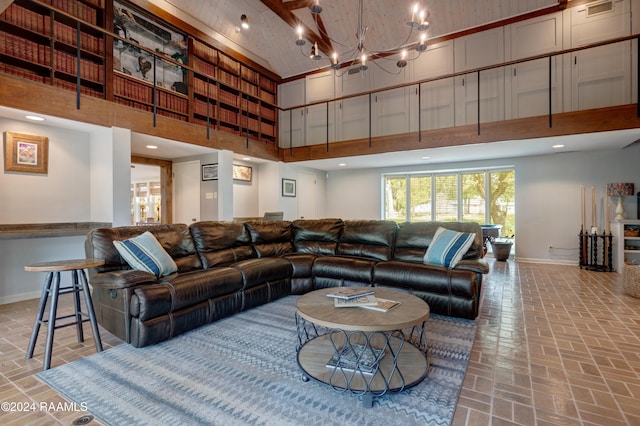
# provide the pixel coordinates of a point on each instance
(447, 247)
(145, 253)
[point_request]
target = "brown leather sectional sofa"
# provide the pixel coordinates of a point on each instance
(228, 267)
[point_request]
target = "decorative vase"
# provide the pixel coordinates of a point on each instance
(501, 250)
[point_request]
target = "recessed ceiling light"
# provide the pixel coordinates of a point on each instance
(425, 158)
(558, 146)
(342, 164)
(34, 118)
(246, 158)
(152, 146)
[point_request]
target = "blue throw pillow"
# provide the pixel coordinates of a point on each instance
(145, 253)
(448, 247)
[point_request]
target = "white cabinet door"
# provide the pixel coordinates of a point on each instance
(319, 119)
(600, 77)
(528, 82)
(471, 52)
(353, 113)
(436, 98)
(291, 123)
(391, 112)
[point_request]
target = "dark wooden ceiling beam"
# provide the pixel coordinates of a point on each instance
(281, 9)
(297, 4)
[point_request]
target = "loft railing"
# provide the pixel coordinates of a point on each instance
(477, 71)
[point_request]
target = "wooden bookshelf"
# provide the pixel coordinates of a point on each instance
(56, 41)
(41, 44)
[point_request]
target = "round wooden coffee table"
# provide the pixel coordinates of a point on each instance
(363, 351)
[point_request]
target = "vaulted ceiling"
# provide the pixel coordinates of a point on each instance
(271, 38)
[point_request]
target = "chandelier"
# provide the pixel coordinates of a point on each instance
(359, 52)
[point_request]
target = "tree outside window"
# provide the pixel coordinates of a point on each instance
(484, 197)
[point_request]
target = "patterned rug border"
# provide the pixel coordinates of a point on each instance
(215, 375)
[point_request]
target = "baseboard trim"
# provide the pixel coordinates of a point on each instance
(19, 297)
(547, 261)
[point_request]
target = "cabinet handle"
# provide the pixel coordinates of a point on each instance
(575, 60)
(463, 82)
(514, 72)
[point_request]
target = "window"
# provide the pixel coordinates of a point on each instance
(482, 196)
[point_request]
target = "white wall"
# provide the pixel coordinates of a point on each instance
(34, 198)
(548, 207)
(62, 195)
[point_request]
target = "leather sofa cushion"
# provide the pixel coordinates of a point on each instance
(260, 271)
(427, 278)
(317, 236)
(413, 239)
(221, 243)
(367, 238)
(301, 264)
(344, 267)
(270, 238)
(175, 239)
(179, 291)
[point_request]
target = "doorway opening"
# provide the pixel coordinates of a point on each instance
(151, 191)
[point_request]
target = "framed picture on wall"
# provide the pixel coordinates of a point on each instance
(210, 172)
(288, 188)
(26, 153)
(242, 172)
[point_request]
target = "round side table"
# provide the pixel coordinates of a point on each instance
(53, 290)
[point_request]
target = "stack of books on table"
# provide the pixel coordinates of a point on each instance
(356, 357)
(354, 297)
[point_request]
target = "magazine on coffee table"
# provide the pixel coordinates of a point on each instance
(356, 357)
(362, 301)
(382, 305)
(350, 292)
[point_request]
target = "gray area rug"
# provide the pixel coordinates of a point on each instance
(242, 370)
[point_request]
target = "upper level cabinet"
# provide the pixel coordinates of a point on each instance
(353, 114)
(390, 108)
(320, 119)
(291, 122)
(528, 82)
(600, 77)
(434, 99)
(40, 44)
(472, 52)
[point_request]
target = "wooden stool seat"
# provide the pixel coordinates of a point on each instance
(53, 290)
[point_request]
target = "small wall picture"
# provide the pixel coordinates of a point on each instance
(26, 153)
(288, 188)
(241, 172)
(209, 172)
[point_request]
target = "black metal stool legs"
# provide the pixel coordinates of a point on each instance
(39, 315)
(90, 311)
(52, 291)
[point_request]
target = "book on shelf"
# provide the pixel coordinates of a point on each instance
(356, 357)
(350, 292)
(355, 302)
(382, 305)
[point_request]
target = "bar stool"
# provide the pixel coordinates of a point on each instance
(53, 290)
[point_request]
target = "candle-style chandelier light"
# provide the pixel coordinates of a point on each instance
(360, 53)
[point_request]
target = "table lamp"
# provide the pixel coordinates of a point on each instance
(619, 190)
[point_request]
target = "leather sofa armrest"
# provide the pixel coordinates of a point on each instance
(122, 279)
(476, 265)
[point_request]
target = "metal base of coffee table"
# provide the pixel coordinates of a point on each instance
(364, 352)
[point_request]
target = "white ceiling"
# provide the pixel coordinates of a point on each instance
(271, 41)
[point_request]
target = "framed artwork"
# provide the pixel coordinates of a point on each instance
(210, 172)
(242, 172)
(26, 153)
(288, 188)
